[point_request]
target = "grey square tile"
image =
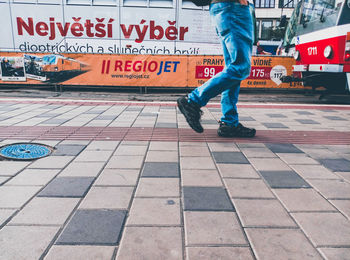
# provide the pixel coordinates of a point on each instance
(230, 157)
(209, 122)
(161, 169)
(283, 148)
(274, 125)
(67, 187)
(336, 118)
(166, 125)
(47, 115)
(246, 118)
(68, 150)
(307, 121)
(206, 199)
(133, 109)
(55, 121)
(336, 165)
(276, 115)
(303, 113)
(93, 227)
(284, 179)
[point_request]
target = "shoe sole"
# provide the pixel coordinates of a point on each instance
(180, 106)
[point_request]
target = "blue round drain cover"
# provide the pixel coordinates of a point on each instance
(25, 151)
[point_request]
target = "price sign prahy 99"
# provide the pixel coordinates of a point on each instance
(207, 72)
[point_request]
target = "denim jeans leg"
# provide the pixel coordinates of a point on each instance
(235, 29)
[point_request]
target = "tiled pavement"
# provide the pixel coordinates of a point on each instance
(131, 181)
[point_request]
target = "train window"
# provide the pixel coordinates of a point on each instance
(54, 2)
(104, 2)
(265, 3)
(24, 1)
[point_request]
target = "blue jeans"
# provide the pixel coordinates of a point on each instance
(235, 28)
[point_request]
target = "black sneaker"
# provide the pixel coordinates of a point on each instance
(192, 113)
(235, 131)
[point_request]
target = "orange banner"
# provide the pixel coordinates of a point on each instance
(134, 70)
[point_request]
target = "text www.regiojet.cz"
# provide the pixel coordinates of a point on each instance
(119, 76)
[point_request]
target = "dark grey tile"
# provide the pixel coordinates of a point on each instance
(149, 114)
(303, 112)
(55, 121)
(206, 199)
(284, 180)
(209, 122)
(134, 109)
(214, 109)
(68, 149)
(328, 110)
(283, 148)
(67, 187)
(307, 121)
(246, 118)
(336, 118)
(230, 157)
(336, 165)
(166, 125)
(161, 169)
(274, 125)
(93, 227)
(276, 115)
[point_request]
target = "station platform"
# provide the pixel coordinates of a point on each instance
(131, 180)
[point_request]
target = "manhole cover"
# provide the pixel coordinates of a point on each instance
(25, 151)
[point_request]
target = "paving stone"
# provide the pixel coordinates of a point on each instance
(343, 206)
(155, 211)
(163, 146)
(25, 242)
(197, 163)
(107, 198)
(125, 162)
(303, 112)
(269, 164)
(314, 172)
(93, 227)
(51, 162)
(45, 211)
(3, 179)
(230, 157)
(336, 165)
(80, 252)
(213, 228)
(281, 244)
(68, 150)
(344, 175)
(103, 145)
(117, 177)
(203, 178)
(335, 253)
(206, 199)
(152, 243)
(297, 158)
(209, 122)
(16, 196)
(262, 213)
(131, 150)
(246, 118)
(166, 125)
(194, 151)
(162, 156)
(276, 115)
(332, 189)
(325, 229)
(222, 253)
(245, 188)
(275, 125)
(82, 169)
(10, 168)
(158, 187)
(93, 156)
(5, 214)
(284, 179)
(258, 152)
(302, 200)
(223, 147)
(283, 148)
(55, 121)
(237, 171)
(335, 118)
(161, 169)
(307, 121)
(67, 187)
(33, 177)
